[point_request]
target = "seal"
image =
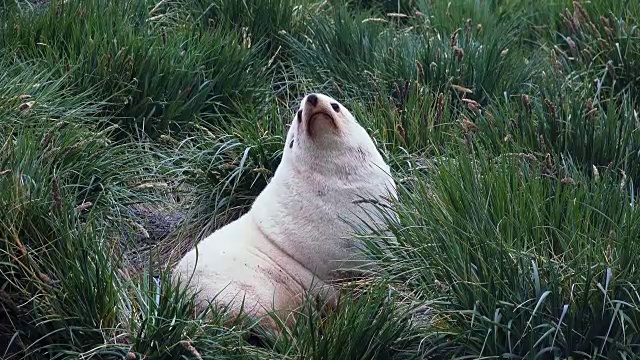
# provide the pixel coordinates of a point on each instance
(298, 236)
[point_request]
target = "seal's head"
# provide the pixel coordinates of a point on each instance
(323, 129)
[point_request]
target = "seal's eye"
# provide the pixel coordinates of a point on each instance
(299, 115)
(335, 107)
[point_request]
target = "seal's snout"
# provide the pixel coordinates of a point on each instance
(319, 114)
(313, 100)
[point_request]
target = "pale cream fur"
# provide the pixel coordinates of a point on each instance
(299, 230)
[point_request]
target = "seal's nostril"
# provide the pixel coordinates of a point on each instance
(312, 99)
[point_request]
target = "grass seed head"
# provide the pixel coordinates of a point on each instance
(25, 107)
(552, 108)
(57, 199)
(191, 349)
(83, 207)
(568, 181)
(527, 102)
(458, 53)
(454, 37)
(419, 68)
(469, 126)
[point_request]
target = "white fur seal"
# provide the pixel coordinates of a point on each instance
(295, 234)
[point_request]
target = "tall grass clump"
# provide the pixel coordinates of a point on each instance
(604, 40)
(595, 127)
(57, 169)
(66, 289)
(261, 21)
(381, 56)
(371, 322)
(222, 169)
(380, 6)
(159, 76)
(517, 263)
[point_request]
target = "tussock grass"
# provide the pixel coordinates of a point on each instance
(595, 127)
(359, 52)
(372, 324)
(518, 262)
(511, 127)
(222, 169)
(67, 291)
(159, 75)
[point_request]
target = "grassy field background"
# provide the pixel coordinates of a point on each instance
(129, 129)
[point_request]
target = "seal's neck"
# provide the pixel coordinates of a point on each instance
(339, 161)
(304, 207)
